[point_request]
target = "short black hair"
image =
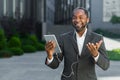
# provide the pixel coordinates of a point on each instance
(86, 11)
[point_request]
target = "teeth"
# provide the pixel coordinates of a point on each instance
(78, 25)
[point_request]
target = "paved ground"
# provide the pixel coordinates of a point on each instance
(32, 67)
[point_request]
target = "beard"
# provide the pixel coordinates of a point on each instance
(79, 28)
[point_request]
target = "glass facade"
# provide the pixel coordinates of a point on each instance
(49, 11)
(13, 8)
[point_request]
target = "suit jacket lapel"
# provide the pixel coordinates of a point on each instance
(88, 38)
(74, 41)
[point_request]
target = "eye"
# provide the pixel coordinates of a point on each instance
(81, 17)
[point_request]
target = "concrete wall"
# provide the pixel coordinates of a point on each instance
(97, 18)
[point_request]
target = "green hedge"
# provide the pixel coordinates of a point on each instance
(40, 47)
(114, 54)
(5, 54)
(17, 45)
(28, 48)
(14, 42)
(16, 51)
(31, 42)
(3, 42)
(107, 33)
(115, 19)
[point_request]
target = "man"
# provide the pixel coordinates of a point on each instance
(81, 50)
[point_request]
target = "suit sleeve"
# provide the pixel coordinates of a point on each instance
(58, 57)
(103, 60)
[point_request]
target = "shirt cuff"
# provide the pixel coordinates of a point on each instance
(96, 58)
(49, 60)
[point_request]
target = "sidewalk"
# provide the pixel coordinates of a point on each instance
(111, 43)
(32, 67)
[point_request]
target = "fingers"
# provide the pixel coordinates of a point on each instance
(91, 46)
(50, 45)
(98, 44)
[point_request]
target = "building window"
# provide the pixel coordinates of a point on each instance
(16, 9)
(21, 8)
(14, 5)
(5, 7)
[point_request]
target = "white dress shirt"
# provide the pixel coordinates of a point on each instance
(80, 42)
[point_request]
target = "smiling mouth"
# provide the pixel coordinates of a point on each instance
(78, 25)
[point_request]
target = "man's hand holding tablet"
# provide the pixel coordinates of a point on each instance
(51, 46)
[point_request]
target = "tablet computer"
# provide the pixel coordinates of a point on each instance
(53, 38)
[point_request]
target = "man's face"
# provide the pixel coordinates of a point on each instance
(79, 20)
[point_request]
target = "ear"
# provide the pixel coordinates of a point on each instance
(88, 20)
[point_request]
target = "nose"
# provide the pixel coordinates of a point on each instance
(77, 20)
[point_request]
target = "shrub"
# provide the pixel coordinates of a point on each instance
(30, 40)
(33, 39)
(2, 35)
(28, 48)
(114, 54)
(116, 51)
(5, 53)
(3, 43)
(40, 47)
(107, 33)
(115, 19)
(16, 51)
(26, 41)
(14, 42)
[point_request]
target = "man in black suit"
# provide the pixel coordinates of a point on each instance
(81, 50)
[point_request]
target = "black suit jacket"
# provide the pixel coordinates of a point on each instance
(79, 67)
